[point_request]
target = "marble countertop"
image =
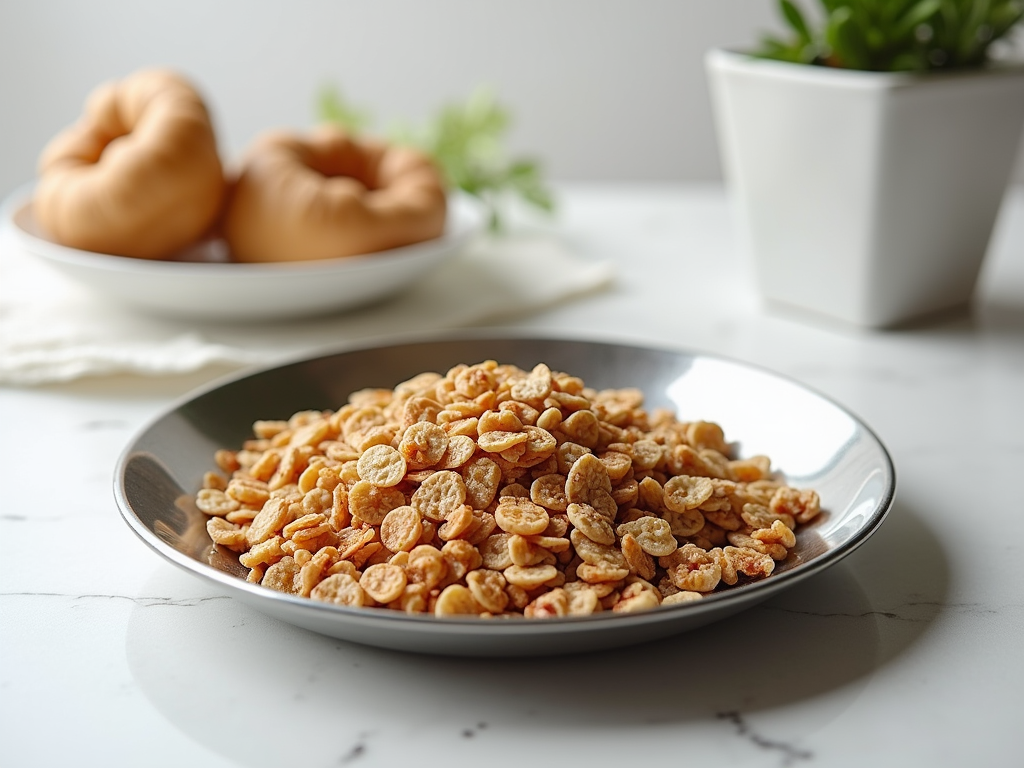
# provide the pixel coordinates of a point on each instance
(905, 653)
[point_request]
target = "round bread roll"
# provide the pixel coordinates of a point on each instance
(137, 175)
(327, 195)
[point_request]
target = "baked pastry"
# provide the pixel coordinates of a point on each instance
(327, 195)
(137, 175)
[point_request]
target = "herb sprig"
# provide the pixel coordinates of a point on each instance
(467, 142)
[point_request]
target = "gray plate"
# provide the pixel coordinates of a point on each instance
(815, 442)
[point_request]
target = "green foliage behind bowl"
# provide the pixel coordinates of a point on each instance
(894, 35)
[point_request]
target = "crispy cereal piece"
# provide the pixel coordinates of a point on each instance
(371, 503)
(626, 493)
(247, 490)
(646, 454)
(400, 530)
(683, 524)
(381, 465)
(227, 460)
(540, 446)
(413, 600)
(317, 501)
(515, 490)
(344, 566)
(488, 588)
(460, 450)
(439, 495)
(749, 562)
(456, 600)
(213, 501)
(653, 534)
(264, 553)
(363, 441)
(558, 525)
(692, 569)
(549, 419)
(461, 557)
(383, 582)
(550, 605)
(750, 470)
(638, 561)
(599, 573)
(226, 534)
(683, 492)
(778, 533)
(520, 515)
(351, 540)
(499, 441)
(312, 571)
(583, 600)
(595, 554)
(678, 598)
(481, 477)
(586, 478)
(549, 492)
(582, 428)
(340, 589)
(303, 523)
(524, 552)
(475, 380)
(591, 523)
(283, 576)
(644, 600)
(456, 523)
(535, 387)
(495, 553)
(426, 566)
(483, 526)
(270, 520)
(760, 516)
(567, 454)
(617, 464)
(420, 410)
(529, 577)
(423, 444)
(802, 505)
(499, 421)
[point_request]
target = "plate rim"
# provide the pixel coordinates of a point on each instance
(465, 219)
(254, 593)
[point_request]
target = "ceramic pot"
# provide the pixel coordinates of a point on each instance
(869, 197)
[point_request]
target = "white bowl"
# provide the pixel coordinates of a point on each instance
(201, 284)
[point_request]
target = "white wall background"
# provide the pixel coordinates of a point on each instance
(599, 89)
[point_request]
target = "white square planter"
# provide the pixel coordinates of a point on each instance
(866, 196)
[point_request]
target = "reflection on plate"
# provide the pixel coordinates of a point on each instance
(815, 442)
(201, 284)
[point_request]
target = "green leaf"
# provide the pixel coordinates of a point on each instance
(915, 16)
(887, 34)
(796, 20)
(333, 108)
(844, 38)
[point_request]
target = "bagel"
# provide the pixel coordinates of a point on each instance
(137, 175)
(327, 195)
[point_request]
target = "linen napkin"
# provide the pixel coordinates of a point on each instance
(53, 330)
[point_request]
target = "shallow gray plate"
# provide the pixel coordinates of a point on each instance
(815, 442)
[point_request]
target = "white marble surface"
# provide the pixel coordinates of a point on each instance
(906, 653)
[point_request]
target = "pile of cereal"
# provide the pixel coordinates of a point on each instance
(494, 491)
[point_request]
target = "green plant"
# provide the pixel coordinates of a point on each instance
(467, 143)
(894, 35)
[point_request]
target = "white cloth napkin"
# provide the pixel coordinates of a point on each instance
(52, 329)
